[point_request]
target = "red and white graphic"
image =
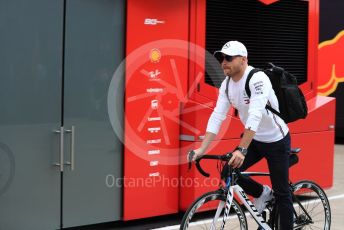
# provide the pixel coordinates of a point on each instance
(154, 104)
(161, 101)
(154, 141)
(153, 75)
(153, 21)
(154, 152)
(154, 163)
(154, 129)
(154, 118)
(156, 174)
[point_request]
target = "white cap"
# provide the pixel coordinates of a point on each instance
(233, 48)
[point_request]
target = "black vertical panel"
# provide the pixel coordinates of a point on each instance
(331, 19)
(275, 33)
(331, 23)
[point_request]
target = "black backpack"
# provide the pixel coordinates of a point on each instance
(292, 103)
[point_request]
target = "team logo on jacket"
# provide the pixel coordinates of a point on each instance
(258, 87)
(246, 98)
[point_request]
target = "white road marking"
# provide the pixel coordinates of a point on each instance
(341, 196)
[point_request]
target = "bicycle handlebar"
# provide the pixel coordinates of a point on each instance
(293, 159)
(225, 157)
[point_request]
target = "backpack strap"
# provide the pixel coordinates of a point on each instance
(247, 86)
(226, 91)
(273, 110)
(248, 91)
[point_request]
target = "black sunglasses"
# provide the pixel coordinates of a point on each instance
(221, 57)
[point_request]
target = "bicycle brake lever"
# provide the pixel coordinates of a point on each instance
(191, 155)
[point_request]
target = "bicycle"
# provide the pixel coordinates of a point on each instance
(219, 209)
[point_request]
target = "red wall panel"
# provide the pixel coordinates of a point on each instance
(156, 73)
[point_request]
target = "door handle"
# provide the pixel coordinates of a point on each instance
(72, 147)
(60, 164)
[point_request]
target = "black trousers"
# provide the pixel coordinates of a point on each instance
(277, 156)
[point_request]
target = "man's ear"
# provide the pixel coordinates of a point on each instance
(244, 60)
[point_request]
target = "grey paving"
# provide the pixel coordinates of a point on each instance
(337, 205)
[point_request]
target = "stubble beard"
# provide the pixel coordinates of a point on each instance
(231, 72)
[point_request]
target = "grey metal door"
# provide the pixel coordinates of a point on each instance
(30, 111)
(38, 101)
(94, 48)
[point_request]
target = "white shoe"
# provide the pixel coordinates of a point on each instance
(260, 202)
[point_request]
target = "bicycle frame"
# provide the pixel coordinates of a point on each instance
(236, 189)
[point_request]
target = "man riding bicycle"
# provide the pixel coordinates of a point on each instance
(266, 135)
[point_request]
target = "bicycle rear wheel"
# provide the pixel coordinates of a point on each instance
(201, 214)
(314, 201)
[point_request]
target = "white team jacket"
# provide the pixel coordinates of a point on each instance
(252, 112)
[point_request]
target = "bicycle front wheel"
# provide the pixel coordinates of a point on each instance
(314, 211)
(207, 212)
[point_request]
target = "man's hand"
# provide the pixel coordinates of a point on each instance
(198, 153)
(237, 159)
